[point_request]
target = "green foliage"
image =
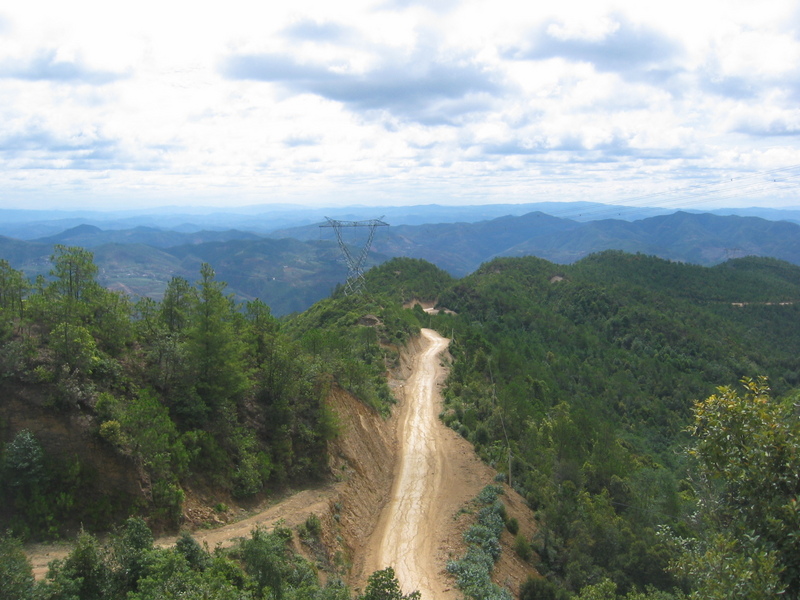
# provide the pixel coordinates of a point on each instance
(191, 387)
(198, 558)
(170, 576)
(576, 382)
(129, 554)
(522, 547)
(351, 337)
(75, 287)
(541, 589)
(214, 349)
(473, 572)
(74, 348)
(723, 568)
(130, 568)
(16, 577)
(383, 585)
(13, 288)
(24, 463)
(313, 525)
(154, 437)
(748, 456)
(262, 555)
(408, 279)
(84, 574)
(512, 525)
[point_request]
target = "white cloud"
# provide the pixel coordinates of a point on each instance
(405, 101)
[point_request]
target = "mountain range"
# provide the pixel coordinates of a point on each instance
(292, 268)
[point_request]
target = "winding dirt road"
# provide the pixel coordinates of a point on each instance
(428, 488)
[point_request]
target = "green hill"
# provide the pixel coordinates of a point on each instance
(587, 375)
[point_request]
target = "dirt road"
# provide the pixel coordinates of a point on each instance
(435, 473)
(290, 512)
(404, 537)
(434, 476)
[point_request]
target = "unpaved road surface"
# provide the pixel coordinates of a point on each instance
(405, 534)
(436, 473)
(290, 512)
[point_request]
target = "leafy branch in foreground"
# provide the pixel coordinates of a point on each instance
(747, 447)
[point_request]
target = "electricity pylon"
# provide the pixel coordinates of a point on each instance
(355, 264)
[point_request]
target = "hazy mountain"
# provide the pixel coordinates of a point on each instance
(702, 239)
(291, 274)
(281, 220)
(91, 236)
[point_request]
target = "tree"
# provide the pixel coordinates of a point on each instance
(75, 286)
(154, 437)
(84, 574)
(130, 548)
(13, 288)
(214, 346)
(74, 347)
(16, 576)
(748, 456)
(24, 463)
(111, 320)
(383, 585)
(177, 303)
(262, 556)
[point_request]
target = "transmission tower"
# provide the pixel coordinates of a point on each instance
(355, 264)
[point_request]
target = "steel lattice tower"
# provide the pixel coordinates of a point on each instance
(355, 263)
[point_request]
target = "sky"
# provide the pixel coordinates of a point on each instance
(393, 102)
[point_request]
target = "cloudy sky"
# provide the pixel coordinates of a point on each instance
(388, 102)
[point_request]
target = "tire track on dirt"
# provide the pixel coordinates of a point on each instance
(430, 484)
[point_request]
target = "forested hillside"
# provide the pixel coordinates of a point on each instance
(593, 388)
(111, 407)
(579, 383)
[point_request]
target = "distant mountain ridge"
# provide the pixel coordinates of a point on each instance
(703, 239)
(91, 236)
(293, 268)
(274, 218)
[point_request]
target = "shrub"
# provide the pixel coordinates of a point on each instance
(314, 525)
(522, 547)
(540, 589)
(193, 552)
(111, 431)
(513, 526)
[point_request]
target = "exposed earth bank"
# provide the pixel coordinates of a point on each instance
(399, 490)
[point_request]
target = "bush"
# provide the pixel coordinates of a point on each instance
(473, 572)
(513, 526)
(168, 500)
(193, 552)
(540, 589)
(382, 585)
(522, 547)
(314, 525)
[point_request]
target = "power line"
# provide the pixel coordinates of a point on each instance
(355, 263)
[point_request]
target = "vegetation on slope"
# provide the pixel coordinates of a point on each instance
(578, 382)
(263, 566)
(193, 391)
(583, 384)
